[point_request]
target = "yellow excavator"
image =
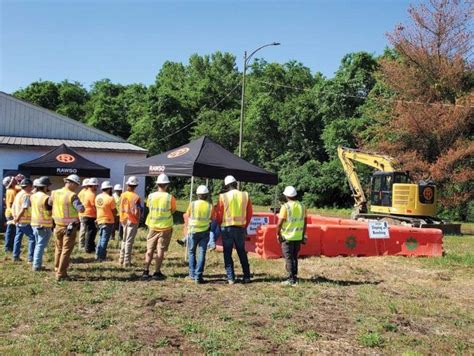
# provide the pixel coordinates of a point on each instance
(393, 194)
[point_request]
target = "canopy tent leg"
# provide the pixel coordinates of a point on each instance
(186, 250)
(275, 200)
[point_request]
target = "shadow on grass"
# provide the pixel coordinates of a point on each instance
(81, 259)
(342, 283)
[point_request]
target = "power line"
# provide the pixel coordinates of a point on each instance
(196, 119)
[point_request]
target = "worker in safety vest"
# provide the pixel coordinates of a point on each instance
(200, 214)
(9, 184)
(234, 211)
(66, 209)
(130, 212)
(22, 219)
(291, 231)
(82, 228)
(161, 205)
(117, 226)
(90, 214)
(106, 213)
(41, 220)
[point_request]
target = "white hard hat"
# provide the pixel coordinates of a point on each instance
(132, 180)
(6, 181)
(202, 189)
(163, 179)
(118, 187)
(85, 182)
(229, 179)
(290, 191)
(36, 183)
(92, 181)
(74, 178)
(106, 185)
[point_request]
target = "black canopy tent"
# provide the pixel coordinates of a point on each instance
(63, 161)
(201, 158)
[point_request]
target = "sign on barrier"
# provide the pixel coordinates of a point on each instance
(378, 229)
(255, 222)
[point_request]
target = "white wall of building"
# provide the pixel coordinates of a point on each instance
(11, 157)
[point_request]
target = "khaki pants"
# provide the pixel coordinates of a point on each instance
(126, 246)
(82, 234)
(63, 249)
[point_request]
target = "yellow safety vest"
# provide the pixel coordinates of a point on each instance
(17, 206)
(235, 208)
(200, 216)
(159, 215)
(292, 229)
(117, 203)
(64, 212)
(40, 216)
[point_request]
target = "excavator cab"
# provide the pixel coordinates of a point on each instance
(381, 192)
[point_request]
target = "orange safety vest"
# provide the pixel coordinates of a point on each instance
(235, 208)
(17, 206)
(128, 207)
(64, 212)
(40, 216)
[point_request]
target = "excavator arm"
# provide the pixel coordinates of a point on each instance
(348, 156)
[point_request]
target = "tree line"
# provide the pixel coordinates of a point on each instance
(414, 102)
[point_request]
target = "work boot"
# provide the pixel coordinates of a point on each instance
(199, 281)
(158, 276)
(146, 275)
(289, 282)
(231, 281)
(246, 281)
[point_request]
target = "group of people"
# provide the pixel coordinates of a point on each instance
(32, 212)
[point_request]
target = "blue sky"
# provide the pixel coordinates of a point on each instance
(128, 41)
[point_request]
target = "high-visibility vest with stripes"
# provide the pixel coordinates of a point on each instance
(200, 216)
(40, 216)
(64, 212)
(235, 208)
(159, 215)
(292, 229)
(17, 206)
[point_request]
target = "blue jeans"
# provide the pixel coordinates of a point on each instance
(234, 235)
(28, 231)
(42, 236)
(10, 233)
(105, 232)
(197, 240)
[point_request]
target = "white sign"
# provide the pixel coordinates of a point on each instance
(255, 222)
(378, 229)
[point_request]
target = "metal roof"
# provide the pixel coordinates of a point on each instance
(23, 119)
(89, 145)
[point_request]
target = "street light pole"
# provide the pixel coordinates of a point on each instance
(242, 101)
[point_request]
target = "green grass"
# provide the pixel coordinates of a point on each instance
(394, 305)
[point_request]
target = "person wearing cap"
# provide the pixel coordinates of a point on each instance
(90, 214)
(130, 212)
(291, 230)
(9, 184)
(161, 205)
(106, 213)
(200, 213)
(41, 220)
(82, 226)
(22, 219)
(234, 211)
(66, 209)
(117, 226)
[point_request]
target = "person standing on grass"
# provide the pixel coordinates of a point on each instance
(22, 220)
(130, 212)
(10, 232)
(41, 220)
(90, 214)
(161, 205)
(66, 209)
(291, 230)
(234, 211)
(200, 213)
(117, 226)
(106, 213)
(82, 229)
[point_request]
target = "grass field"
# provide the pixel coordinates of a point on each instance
(390, 305)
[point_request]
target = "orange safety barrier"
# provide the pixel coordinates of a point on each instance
(340, 240)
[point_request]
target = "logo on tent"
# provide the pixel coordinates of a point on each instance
(156, 169)
(65, 158)
(178, 153)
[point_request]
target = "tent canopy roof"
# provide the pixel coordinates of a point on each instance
(201, 158)
(62, 161)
